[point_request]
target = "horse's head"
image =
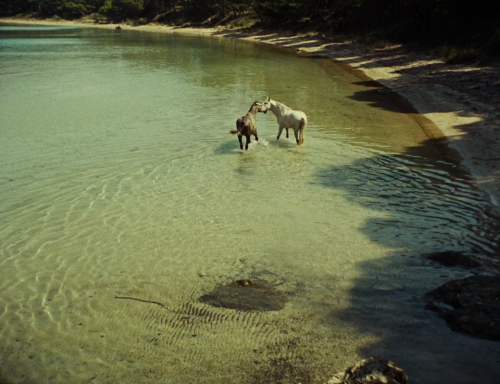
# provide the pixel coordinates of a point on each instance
(268, 103)
(259, 107)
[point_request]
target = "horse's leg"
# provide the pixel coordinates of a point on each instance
(286, 133)
(302, 131)
(279, 132)
(248, 141)
(296, 133)
(240, 139)
(255, 134)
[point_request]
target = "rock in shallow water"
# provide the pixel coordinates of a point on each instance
(245, 295)
(474, 302)
(454, 259)
(371, 371)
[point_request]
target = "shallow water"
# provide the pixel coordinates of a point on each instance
(124, 200)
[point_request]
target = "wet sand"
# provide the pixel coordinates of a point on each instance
(462, 101)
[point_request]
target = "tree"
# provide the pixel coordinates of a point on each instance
(122, 9)
(74, 8)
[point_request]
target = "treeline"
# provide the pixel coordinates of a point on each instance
(460, 22)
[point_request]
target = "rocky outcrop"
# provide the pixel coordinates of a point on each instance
(371, 371)
(470, 305)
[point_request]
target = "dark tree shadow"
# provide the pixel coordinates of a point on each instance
(424, 205)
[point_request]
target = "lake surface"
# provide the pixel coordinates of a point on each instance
(124, 200)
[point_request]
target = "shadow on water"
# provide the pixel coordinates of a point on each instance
(228, 147)
(232, 146)
(423, 205)
(387, 299)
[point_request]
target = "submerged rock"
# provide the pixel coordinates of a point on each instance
(454, 259)
(371, 371)
(470, 305)
(245, 295)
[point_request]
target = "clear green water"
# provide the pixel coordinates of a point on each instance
(119, 178)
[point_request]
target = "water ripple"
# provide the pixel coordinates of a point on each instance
(422, 196)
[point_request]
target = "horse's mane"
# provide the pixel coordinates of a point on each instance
(283, 108)
(253, 105)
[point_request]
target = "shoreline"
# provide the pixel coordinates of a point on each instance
(461, 101)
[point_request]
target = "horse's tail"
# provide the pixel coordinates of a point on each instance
(239, 127)
(302, 131)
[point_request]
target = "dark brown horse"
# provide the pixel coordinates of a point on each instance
(247, 125)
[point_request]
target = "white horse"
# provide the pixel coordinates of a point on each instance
(288, 118)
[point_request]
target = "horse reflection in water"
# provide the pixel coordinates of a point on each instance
(288, 118)
(247, 125)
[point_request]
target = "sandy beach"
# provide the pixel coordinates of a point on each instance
(461, 102)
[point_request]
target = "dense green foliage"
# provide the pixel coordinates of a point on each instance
(438, 22)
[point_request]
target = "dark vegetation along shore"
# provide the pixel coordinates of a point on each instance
(459, 30)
